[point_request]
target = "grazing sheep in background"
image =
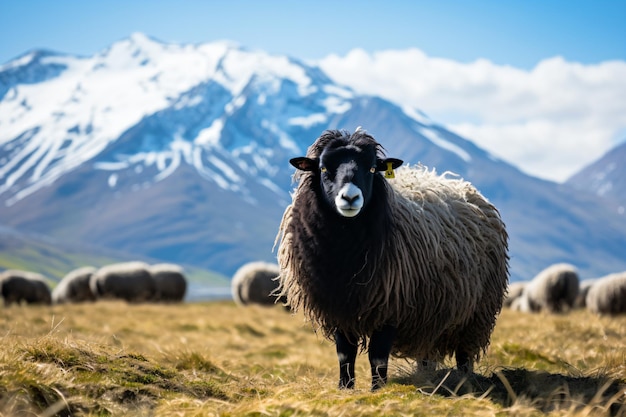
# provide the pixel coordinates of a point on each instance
(520, 304)
(26, 286)
(170, 281)
(583, 290)
(255, 283)
(417, 265)
(130, 281)
(607, 296)
(553, 290)
(514, 291)
(74, 287)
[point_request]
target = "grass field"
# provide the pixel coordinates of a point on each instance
(215, 358)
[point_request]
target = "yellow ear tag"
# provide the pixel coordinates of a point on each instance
(389, 173)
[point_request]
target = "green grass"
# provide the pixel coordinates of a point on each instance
(206, 359)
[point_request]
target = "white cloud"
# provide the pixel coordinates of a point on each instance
(549, 121)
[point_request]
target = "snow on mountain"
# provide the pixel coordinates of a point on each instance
(82, 105)
(180, 153)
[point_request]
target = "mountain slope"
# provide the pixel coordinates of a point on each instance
(54, 259)
(547, 222)
(605, 177)
(181, 152)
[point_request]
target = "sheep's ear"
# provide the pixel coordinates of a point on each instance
(388, 163)
(305, 164)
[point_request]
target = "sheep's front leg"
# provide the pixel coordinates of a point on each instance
(464, 362)
(346, 353)
(378, 352)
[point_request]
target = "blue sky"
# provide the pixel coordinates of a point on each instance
(517, 32)
(539, 83)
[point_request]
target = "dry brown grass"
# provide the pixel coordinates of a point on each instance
(205, 359)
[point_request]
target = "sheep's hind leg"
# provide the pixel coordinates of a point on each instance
(346, 353)
(378, 352)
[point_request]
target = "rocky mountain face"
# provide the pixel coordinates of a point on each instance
(180, 153)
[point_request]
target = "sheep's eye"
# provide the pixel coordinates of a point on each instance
(373, 169)
(323, 169)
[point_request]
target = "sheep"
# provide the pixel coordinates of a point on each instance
(255, 283)
(74, 287)
(607, 296)
(583, 290)
(170, 281)
(553, 290)
(417, 265)
(26, 286)
(130, 281)
(520, 304)
(513, 292)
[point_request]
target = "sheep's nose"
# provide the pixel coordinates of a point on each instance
(350, 198)
(350, 193)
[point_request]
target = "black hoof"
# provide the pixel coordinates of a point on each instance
(346, 384)
(378, 383)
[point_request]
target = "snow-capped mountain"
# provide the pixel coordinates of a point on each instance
(59, 112)
(605, 177)
(179, 152)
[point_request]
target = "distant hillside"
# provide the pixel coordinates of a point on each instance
(605, 177)
(54, 259)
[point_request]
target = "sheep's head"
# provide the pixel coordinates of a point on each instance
(346, 166)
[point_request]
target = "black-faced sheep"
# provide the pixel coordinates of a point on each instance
(256, 283)
(552, 290)
(417, 265)
(607, 296)
(24, 286)
(513, 292)
(74, 287)
(130, 281)
(170, 282)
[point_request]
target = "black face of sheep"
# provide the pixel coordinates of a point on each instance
(346, 173)
(417, 267)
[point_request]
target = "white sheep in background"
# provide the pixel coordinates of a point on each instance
(255, 283)
(583, 290)
(514, 291)
(607, 296)
(552, 290)
(74, 287)
(24, 286)
(170, 282)
(130, 281)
